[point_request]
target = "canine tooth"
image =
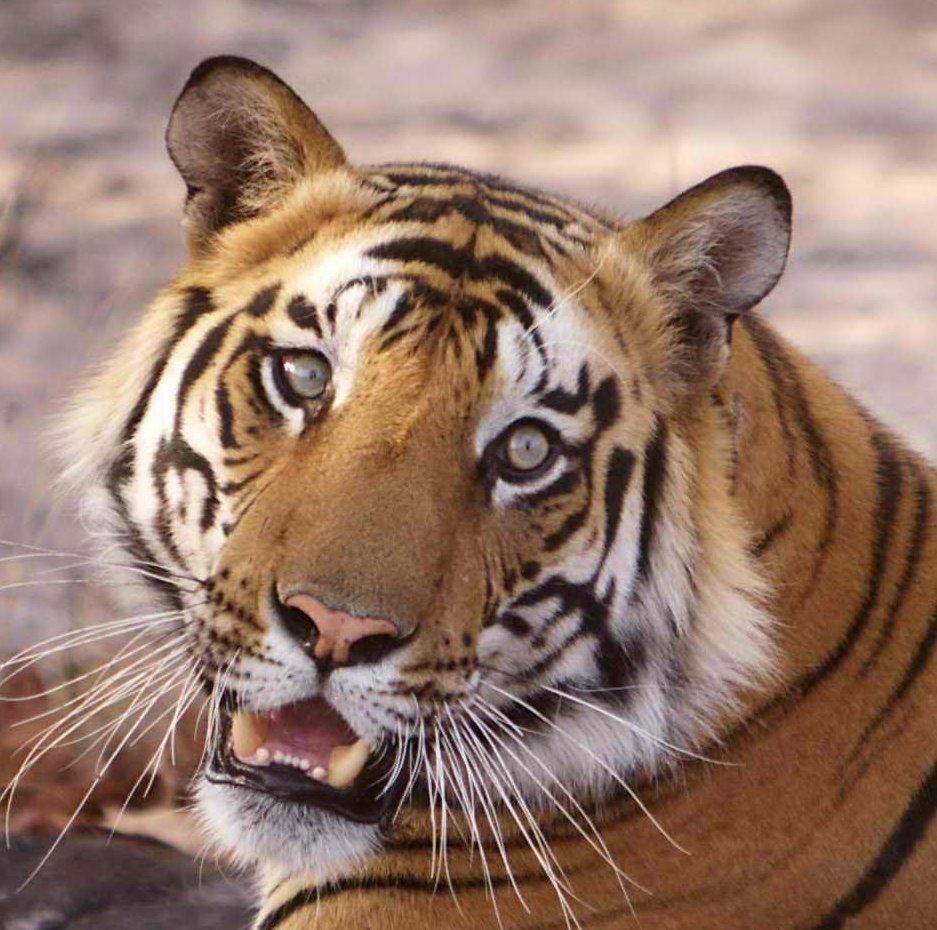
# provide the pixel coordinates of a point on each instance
(262, 755)
(319, 773)
(346, 762)
(248, 732)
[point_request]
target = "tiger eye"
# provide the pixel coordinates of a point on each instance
(306, 374)
(527, 447)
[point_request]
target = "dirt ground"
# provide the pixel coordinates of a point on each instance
(620, 103)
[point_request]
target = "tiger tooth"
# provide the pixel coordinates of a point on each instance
(262, 755)
(319, 773)
(346, 762)
(248, 732)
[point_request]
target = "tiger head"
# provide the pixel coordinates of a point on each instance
(427, 469)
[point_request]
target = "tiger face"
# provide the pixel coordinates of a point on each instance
(415, 453)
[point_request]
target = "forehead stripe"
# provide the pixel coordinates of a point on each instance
(533, 204)
(462, 262)
(262, 301)
(304, 314)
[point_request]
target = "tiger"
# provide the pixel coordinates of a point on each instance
(534, 579)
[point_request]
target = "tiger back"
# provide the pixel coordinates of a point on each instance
(533, 579)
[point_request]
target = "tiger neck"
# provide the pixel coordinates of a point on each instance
(840, 511)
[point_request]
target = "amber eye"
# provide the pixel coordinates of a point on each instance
(526, 450)
(303, 376)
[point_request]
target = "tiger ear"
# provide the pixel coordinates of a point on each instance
(714, 252)
(241, 139)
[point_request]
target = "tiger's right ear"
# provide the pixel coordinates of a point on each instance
(241, 139)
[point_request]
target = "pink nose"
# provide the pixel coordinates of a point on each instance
(338, 630)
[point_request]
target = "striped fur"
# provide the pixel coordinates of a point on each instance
(697, 649)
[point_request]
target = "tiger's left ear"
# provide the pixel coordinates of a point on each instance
(241, 139)
(714, 252)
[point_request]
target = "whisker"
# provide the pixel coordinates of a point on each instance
(630, 725)
(480, 791)
(597, 759)
(593, 835)
(49, 740)
(533, 836)
(29, 658)
(40, 551)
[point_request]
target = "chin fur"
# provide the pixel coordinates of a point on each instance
(287, 838)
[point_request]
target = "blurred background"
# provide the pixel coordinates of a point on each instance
(618, 102)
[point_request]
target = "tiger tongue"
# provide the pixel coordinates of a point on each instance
(309, 735)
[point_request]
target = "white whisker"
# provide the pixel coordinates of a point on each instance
(597, 759)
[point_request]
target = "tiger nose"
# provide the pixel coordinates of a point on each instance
(335, 632)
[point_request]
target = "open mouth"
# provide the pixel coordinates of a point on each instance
(305, 753)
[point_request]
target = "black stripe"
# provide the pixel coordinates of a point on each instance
(888, 478)
(233, 487)
(198, 302)
(455, 262)
(516, 306)
(891, 858)
(462, 263)
(617, 479)
(790, 393)
(430, 209)
(304, 314)
(140, 407)
(527, 203)
(912, 560)
(606, 404)
(918, 663)
(262, 301)
(777, 529)
(260, 395)
(420, 209)
(398, 882)
(768, 353)
(515, 624)
(226, 416)
(515, 277)
(487, 352)
(538, 212)
(922, 655)
(655, 470)
(199, 362)
(414, 177)
(177, 455)
(572, 524)
(402, 309)
(518, 309)
(521, 237)
(564, 484)
(563, 401)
